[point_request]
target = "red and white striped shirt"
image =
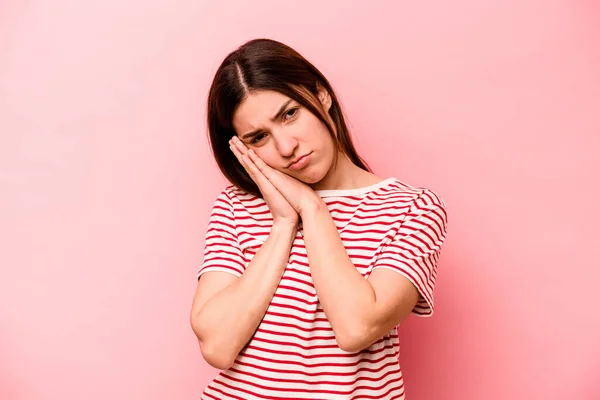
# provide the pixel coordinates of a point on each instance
(293, 354)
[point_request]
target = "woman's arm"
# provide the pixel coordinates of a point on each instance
(360, 311)
(225, 315)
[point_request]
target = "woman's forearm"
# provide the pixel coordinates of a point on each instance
(227, 321)
(346, 296)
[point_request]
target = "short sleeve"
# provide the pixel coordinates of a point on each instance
(222, 251)
(415, 248)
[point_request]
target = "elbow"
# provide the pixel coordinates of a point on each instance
(352, 340)
(216, 358)
(352, 345)
(213, 354)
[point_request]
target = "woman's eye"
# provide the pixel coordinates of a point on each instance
(291, 113)
(257, 138)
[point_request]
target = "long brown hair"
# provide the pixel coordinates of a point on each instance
(265, 64)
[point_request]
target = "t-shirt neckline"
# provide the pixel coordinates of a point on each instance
(353, 192)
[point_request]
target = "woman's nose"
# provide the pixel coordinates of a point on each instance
(286, 145)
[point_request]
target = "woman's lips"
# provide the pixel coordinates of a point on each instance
(301, 163)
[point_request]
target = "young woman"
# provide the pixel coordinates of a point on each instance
(311, 261)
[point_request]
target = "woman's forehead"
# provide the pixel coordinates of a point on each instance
(264, 98)
(258, 108)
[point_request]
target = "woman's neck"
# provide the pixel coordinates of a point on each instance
(346, 175)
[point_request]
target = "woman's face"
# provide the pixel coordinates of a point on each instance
(281, 131)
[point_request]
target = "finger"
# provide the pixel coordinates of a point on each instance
(251, 166)
(257, 176)
(254, 170)
(277, 178)
(244, 152)
(235, 150)
(260, 164)
(248, 156)
(243, 162)
(239, 145)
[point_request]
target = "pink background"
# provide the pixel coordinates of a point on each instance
(107, 181)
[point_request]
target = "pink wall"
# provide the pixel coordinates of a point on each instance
(107, 181)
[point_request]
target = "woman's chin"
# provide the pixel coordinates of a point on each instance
(310, 177)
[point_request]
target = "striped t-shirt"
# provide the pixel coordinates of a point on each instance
(293, 353)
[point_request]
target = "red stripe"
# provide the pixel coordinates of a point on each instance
(377, 378)
(313, 356)
(300, 372)
(227, 267)
(391, 356)
(305, 390)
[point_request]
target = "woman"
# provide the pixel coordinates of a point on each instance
(311, 261)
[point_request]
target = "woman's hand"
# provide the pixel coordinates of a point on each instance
(278, 186)
(280, 208)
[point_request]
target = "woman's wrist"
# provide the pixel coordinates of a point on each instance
(312, 206)
(285, 226)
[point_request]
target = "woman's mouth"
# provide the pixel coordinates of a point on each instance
(301, 162)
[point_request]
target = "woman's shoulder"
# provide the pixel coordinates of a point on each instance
(419, 195)
(241, 202)
(235, 194)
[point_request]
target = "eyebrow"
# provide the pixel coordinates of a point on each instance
(277, 115)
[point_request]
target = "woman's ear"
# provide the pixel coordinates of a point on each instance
(324, 97)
